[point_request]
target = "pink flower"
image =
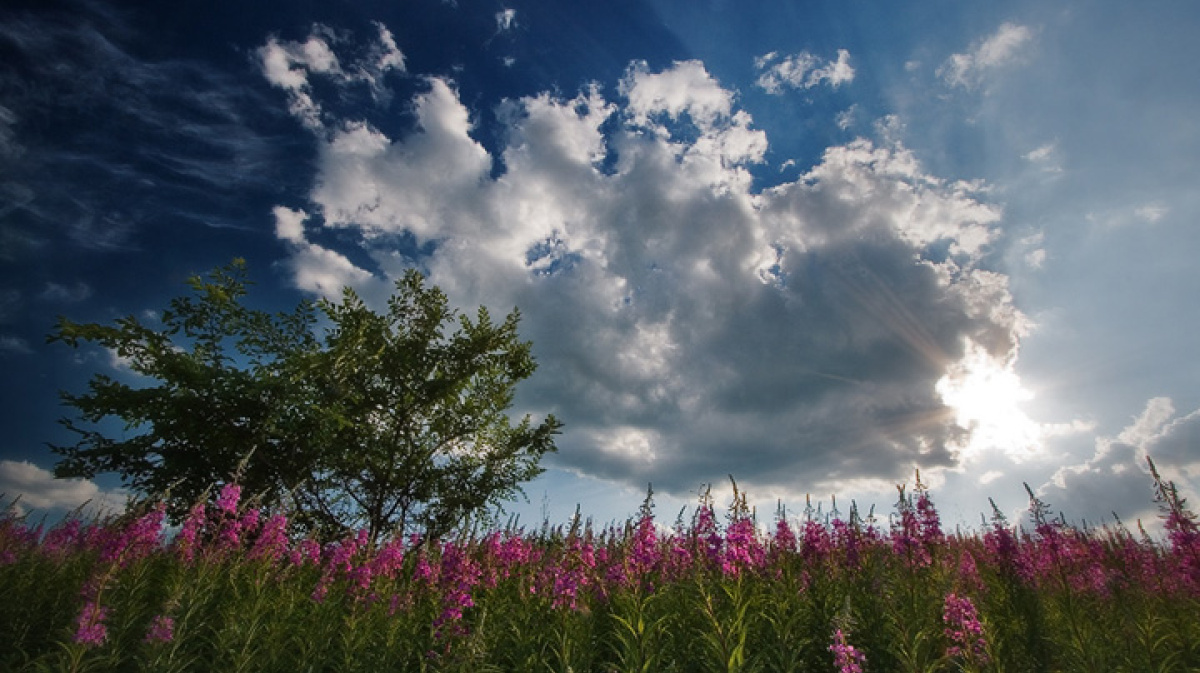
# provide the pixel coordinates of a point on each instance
(188, 538)
(272, 542)
(785, 538)
(137, 540)
(227, 502)
(742, 548)
(90, 625)
(964, 629)
(845, 656)
(162, 630)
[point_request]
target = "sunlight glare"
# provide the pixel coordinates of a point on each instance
(986, 396)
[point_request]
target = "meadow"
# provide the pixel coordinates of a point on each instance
(232, 590)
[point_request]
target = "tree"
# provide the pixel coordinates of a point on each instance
(385, 421)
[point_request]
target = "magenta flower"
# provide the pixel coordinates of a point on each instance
(963, 629)
(188, 539)
(785, 538)
(742, 548)
(846, 657)
(816, 540)
(137, 540)
(162, 630)
(272, 542)
(90, 625)
(227, 502)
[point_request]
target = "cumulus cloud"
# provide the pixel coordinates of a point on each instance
(1005, 46)
(39, 490)
(1117, 473)
(802, 71)
(686, 325)
(288, 66)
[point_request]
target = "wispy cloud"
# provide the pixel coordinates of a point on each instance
(67, 294)
(186, 140)
(1007, 45)
(12, 345)
(802, 71)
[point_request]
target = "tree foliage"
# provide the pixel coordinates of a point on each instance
(386, 421)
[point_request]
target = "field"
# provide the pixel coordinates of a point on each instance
(232, 591)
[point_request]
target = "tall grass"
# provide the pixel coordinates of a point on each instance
(231, 591)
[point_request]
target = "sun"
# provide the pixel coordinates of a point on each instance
(986, 396)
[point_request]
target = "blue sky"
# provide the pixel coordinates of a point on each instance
(816, 246)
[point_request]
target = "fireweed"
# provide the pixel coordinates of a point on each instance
(233, 590)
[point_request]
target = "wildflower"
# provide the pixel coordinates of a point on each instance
(816, 540)
(272, 541)
(846, 657)
(705, 529)
(90, 625)
(227, 502)
(162, 630)
(964, 629)
(785, 538)
(63, 538)
(137, 540)
(189, 534)
(645, 554)
(742, 548)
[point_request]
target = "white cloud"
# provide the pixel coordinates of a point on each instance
(289, 224)
(685, 87)
(845, 118)
(802, 71)
(1007, 45)
(505, 19)
(1151, 212)
(1117, 474)
(315, 268)
(686, 325)
(288, 66)
(39, 490)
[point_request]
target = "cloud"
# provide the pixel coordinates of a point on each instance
(687, 326)
(1045, 157)
(68, 294)
(9, 147)
(315, 268)
(12, 345)
(39, 490)
(176, 146)
(802, 71)
(505, 20)
(1005, 46)
(1151, 212)
(288, 66)
(1117, 474)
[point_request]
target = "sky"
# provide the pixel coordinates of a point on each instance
(814, 246)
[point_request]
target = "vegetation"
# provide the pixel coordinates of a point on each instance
(387, 423)
(232, 592)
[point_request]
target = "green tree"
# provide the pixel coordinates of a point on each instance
(385, 421)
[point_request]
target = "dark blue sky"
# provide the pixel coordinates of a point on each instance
(814, 245)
